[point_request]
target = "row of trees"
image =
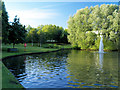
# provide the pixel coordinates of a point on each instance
(103, 19)
(14, 32)
(43, 33)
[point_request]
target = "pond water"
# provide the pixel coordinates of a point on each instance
(66, 69)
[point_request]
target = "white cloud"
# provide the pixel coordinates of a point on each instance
(32, 16)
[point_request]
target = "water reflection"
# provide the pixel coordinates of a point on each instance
(47, 69)
(64, 69)
(101, 61)
(90, 69)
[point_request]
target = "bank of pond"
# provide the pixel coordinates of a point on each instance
(66, 69)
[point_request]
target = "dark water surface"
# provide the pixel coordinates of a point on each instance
(66, 69)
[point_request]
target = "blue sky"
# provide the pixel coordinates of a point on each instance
(37, 13)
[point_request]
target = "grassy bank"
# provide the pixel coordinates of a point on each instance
(31, 49)
(8, 80)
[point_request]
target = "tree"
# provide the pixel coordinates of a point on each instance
(16, 32)
(64, 37)
(103, 19)
(5, 24)
(33, 35)
(53, 32)
(58, 34)
(41, 37)
(49, 31)
(0, 21)
(28, 28)
(118, 37)
(46, 32)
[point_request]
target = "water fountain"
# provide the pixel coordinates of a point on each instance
(101, 45)
(101, 61)
(101, 53)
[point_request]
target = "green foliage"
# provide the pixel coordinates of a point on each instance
(54, 32)
(51, 46)
(0, 21)
(11, 32)
(28, 37)
(97, 43)
(46, 32)
(41, 35)
(16, 32)
(5, 24)
(64, 36)
(109, 45)
(104, 19)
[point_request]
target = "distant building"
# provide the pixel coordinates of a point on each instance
(51, 41)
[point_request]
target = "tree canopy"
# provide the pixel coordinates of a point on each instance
(13, 32)
(103, 19)
(44, 33)
(16, 32)
(5, 24)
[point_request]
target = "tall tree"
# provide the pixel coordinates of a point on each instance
(0, 21)
(17, 32)
(5, 24)
(64, 38)
(33, 35)
(54, 32)
(28, 28)
(41, 37)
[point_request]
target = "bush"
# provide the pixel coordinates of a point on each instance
(109, 45)
(76, 47)
(51, 46)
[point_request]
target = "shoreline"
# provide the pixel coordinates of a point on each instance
(10, 73)
(35, 53)
(54, 51)
(7, 57)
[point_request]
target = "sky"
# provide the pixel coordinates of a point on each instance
(36, 12)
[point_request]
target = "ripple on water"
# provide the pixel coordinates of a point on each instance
(98, 84)
(20, 75)
(88, 87)
(82, 83)
(73, 70)
(20, 80)
(113, 86)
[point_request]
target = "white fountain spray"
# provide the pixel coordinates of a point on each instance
(101, 45)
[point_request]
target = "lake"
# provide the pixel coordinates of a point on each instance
(66, 69)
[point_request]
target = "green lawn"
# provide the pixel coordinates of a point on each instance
(8, 80)
(31, 49)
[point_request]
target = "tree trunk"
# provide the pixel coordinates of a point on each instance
(13, 45)
(40, 44)
(32, 42)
